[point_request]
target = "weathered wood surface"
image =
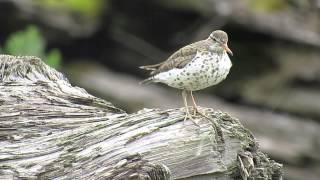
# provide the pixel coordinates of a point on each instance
(51, 130)
(290, 139)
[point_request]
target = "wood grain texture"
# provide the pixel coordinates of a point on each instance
(52, 130)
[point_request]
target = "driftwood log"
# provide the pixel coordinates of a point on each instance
(52, 130)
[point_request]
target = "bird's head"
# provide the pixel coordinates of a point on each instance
(220, 41)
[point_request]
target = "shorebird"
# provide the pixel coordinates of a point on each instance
(194, 67)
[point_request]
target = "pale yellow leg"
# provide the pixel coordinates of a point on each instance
(195, 107)
(197, 110)
(185, 101)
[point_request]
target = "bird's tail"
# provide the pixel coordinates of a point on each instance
(147, 81)
(151, 67)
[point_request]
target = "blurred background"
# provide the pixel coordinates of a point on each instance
(273, 86)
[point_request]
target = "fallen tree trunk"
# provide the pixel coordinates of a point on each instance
(51, 130)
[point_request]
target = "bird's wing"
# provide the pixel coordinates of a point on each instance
(177, 60)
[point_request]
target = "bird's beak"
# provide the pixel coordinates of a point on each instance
(225, 46)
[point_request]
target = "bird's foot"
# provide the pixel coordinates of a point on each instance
(196, 111)
(218, 130)
(189, 116)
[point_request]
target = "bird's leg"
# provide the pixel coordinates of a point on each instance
(195, 107)
(185, 102)
(217, 128)
(188, 115)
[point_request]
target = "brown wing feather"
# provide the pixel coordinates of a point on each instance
(179, 59)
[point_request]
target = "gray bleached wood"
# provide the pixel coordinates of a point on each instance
(51, 130)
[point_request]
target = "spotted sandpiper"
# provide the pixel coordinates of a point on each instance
(196, 66)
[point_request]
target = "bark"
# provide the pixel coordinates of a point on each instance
(52, 130)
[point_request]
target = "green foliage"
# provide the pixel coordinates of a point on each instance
(30, 42)
(85, 7)
(53, 58)
(268, 5)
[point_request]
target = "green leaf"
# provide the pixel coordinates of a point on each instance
(28, 42)
(53, 59)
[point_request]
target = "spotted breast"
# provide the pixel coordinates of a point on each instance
(204, 70)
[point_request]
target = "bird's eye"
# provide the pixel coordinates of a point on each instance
(215, 39)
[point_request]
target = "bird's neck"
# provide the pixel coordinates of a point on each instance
(215, 48)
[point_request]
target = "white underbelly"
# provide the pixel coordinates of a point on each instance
(200, 73)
